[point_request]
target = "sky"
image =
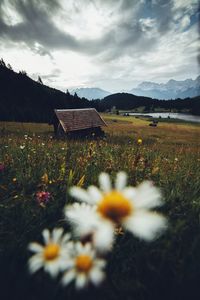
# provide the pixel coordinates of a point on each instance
(110, 44)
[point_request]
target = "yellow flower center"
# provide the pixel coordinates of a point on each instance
(115, 207)
(51, 251)
(84, 263)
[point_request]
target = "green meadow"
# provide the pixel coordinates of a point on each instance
(32, 160)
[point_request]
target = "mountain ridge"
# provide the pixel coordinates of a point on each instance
(172, 89)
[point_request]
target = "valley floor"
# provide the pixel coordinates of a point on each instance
(168, 155)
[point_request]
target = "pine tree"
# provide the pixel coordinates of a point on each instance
(40, 80)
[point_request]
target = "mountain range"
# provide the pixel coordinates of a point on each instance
(90, 93)
(173, 89)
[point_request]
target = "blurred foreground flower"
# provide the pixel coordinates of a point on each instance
(43, 198)
(84, 267)
(110, 208)
(88, 226)
(53, 254)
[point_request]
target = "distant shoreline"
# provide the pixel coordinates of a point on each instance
(165, 115)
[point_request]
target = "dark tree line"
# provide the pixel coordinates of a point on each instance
(25, 100)
(126, 101)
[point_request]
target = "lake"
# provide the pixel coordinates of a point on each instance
(181, 116)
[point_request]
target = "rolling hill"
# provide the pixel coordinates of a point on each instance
(125, 101)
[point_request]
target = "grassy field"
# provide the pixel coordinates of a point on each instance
(31, 160)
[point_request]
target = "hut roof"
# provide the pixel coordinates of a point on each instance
(77, 119)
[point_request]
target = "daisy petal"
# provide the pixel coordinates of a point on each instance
(146, 225)
(52, 269)
(35, 247)
(97, 276)
(101, 263)
(81, 280)
(56, 235)
(88, 249)
(35, 263)
(147, 196)
(65, 238)
(83, 218)
(68, 277)
(104, 182)
(129, 193)
(46, 235)
(79, 247)
(66, 264)
(80, 194)
(121, 180)
(104, 236)
(94, 193)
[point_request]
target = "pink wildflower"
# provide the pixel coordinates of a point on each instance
(42, 198)
(2, 167)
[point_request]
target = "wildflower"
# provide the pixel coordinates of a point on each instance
(84, 267)
(45, 178)
(139, 141)
(22, 147)
(52, 255)
(42, 197)
(2, 167)
(121, 206)
(155, 170)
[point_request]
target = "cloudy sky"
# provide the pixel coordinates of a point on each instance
(111, 44)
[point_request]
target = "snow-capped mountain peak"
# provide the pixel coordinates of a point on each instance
(170, 90)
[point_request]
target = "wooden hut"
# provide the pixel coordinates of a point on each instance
(78, 122)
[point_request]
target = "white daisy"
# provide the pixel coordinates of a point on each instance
(84, 267)
(128, 207)
(52, 254)
(87, 225)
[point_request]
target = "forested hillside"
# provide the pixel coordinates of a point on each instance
(126, 101)
(23, 99)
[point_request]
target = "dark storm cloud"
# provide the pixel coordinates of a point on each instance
(128, 34)
(163, 14)
(36, 25)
